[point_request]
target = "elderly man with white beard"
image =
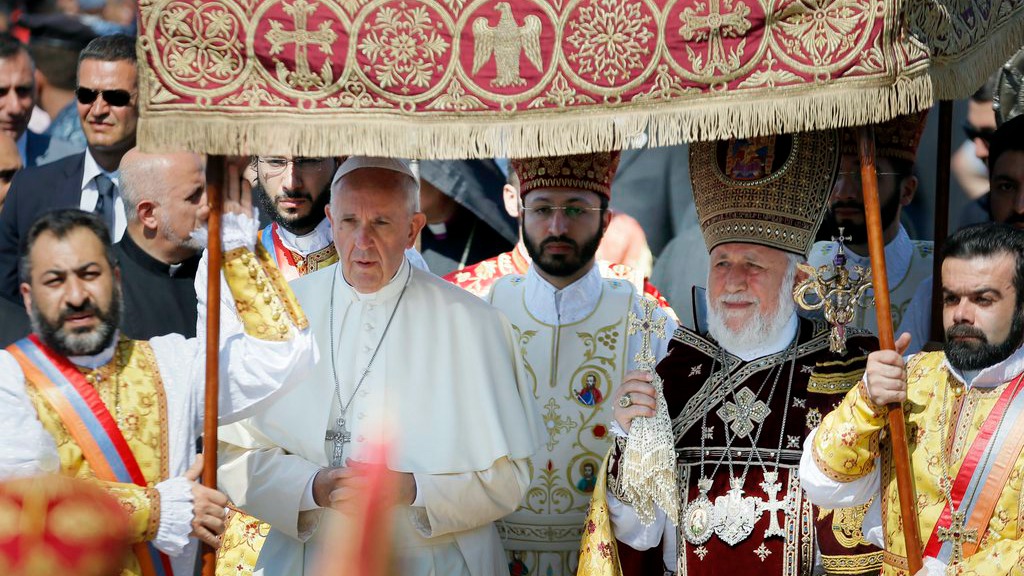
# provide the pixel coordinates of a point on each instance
(743, 397)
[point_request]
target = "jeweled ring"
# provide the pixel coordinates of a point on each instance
(625, 401)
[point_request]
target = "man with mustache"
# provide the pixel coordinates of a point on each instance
(108, 110)
(479, 277)
(908, 262)
(1005, 203)
(165, 200)
(294, 191)
(739, 401)
(79, 398)
(577, 343)
(965, 426)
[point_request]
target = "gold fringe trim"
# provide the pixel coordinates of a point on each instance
(958, 77)
(570, 131)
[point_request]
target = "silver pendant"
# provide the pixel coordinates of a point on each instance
(735, 514)
(772, 505)
(699, 520)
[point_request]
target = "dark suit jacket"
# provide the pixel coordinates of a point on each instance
(34, 191)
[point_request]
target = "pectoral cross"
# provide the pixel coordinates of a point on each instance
(771, 487)
(340, 436)
(957, 534)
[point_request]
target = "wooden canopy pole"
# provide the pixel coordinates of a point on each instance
(215, 173)
(880, 282)
(944, 156)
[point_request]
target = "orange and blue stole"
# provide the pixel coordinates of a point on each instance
(90, 423)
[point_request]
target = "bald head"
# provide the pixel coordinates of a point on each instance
(146, 176)
(164, 201)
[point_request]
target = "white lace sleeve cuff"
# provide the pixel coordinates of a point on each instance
(238, 230)
(175, 515)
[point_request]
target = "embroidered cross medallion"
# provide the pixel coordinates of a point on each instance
(742, 414)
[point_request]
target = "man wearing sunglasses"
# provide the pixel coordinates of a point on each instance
(107, 108)
(18, 95)
(908, 262)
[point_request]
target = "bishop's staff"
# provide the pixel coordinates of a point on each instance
(897, 426)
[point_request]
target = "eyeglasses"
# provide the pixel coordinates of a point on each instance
(111, 97)
(275, 165)
(548, 212)
(972, 133)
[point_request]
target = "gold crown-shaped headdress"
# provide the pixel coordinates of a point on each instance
(593, 172)
(768, 190)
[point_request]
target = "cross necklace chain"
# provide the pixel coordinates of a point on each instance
(341, 435)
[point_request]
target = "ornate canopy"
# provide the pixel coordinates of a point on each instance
(522, 78)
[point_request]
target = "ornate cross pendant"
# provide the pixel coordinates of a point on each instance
(957, 534)
(340, 436)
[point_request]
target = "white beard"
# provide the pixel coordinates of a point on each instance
(758, 331)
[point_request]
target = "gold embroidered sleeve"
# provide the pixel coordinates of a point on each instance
(846, 443)
(142, 505)
(264, 301)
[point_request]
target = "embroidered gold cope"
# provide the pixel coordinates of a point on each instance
(573, 368)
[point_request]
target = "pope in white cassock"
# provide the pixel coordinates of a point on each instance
(404, 357)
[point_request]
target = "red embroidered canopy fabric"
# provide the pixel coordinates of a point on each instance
(463, 78)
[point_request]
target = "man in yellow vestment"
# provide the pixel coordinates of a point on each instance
(78, 398)
(965, 422)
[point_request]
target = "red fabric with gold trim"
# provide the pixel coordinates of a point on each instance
(59, 525)
(530, 78)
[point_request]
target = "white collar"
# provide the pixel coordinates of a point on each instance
(994, 375)
(99, 359)
(898, 253)
(91, 170)
(775, 346)
(570, 304)
(390, 290)
(317, 239)
(22, 144)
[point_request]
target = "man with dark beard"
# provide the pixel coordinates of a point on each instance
(908, 262)
(295, 192)
(80, 399)
(576, 335)
(737, 403)
(964, 413)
